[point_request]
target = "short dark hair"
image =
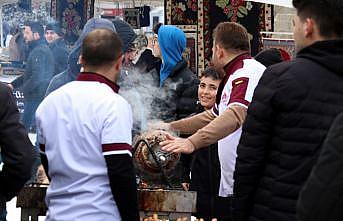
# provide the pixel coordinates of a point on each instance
(231, 36)
(210, 72)
(36, 27)
(101, 47)
(328, 14)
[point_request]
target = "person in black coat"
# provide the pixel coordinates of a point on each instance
(38, 73)
(16, 149)
(54, 36)
(177, 82)
(292, 110)
(322, 196)
(204, 163)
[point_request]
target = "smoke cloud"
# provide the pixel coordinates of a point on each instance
(143, 93)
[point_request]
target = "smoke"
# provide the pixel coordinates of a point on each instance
(143, 93)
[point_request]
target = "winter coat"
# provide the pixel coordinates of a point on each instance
(293, 107)
(178, 94)
(147, 62)
(38, 73)
(16, 149)
(321, 199)
(60, 53)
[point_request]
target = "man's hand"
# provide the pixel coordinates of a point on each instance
(177, 145)
(185, 186)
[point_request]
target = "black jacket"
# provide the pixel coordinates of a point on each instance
(147, 62)
(38, 73)
(179, 94)
(321, 199)
(60, 53)
(293, 107)
(204, 167)
(16, 149)
(205, 171)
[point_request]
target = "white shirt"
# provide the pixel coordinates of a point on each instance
(238, 90)
(73, 122)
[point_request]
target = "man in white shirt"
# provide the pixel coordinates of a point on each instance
(240, 75)
(84, 128)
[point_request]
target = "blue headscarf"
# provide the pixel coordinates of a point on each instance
(172, 42)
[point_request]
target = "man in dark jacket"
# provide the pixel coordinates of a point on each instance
(53, 35)
(293, 107)
(321, 197)
(16, 149)
(38, 73)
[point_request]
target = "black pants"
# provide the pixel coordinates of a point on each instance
(213, 206)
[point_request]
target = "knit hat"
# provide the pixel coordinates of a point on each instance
(272, 56)
(55, 26)
(94, 23)
(125, 32)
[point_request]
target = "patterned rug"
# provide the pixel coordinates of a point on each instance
(200, 17)
(245, 13)
(72, 15)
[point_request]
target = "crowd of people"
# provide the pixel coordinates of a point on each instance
(259, 136)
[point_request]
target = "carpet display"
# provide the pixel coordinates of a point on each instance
(72, 15)
(202, 16)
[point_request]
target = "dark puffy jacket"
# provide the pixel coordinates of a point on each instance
(147, 62)
(60, 53)
(179, 94)
(321, 199)
(38, 73)
(293, 107)
(16, 149)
